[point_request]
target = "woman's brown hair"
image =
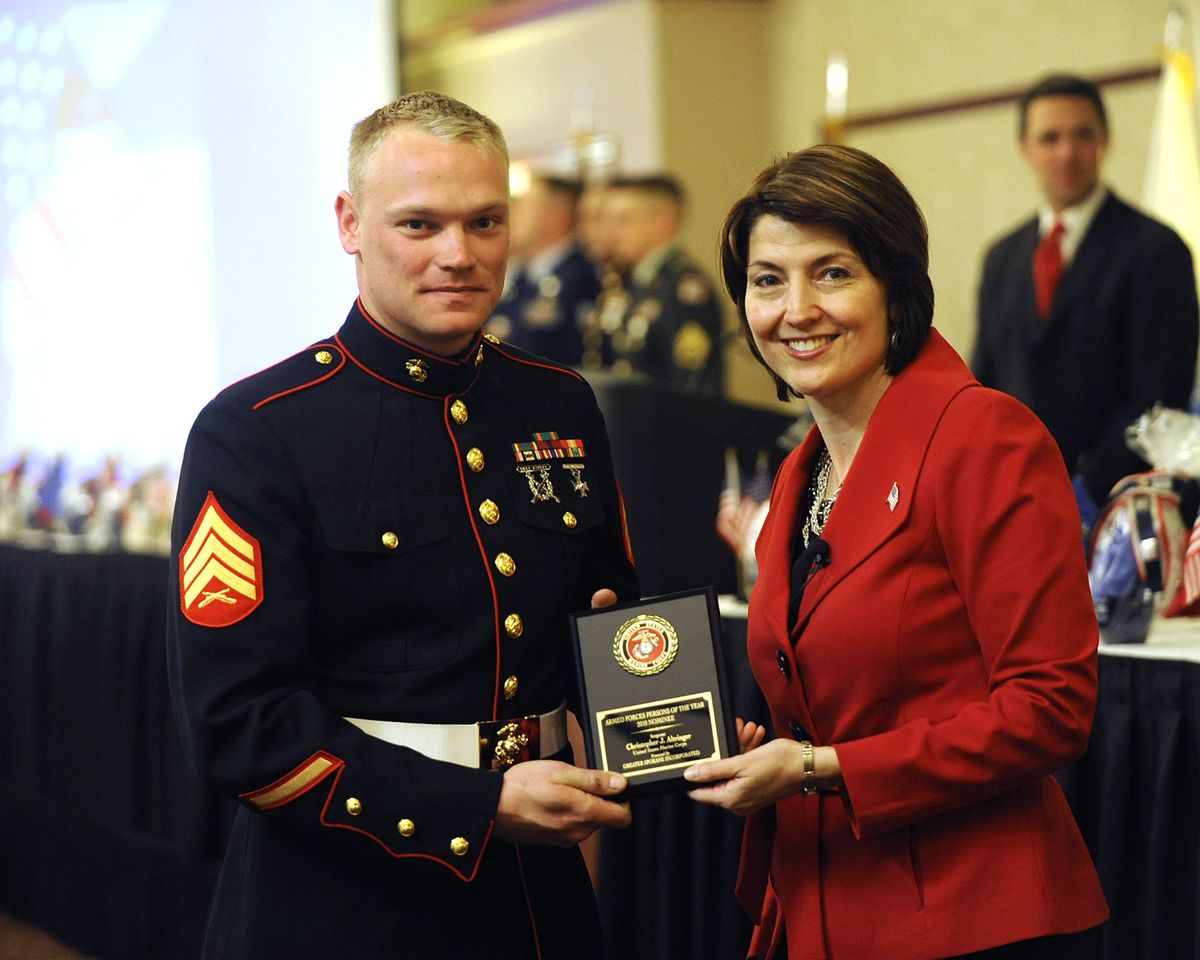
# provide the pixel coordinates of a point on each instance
(844, 189)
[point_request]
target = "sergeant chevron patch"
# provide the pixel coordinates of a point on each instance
(220, 569)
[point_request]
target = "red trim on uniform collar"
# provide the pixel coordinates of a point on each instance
(454, 361)
(402, 365)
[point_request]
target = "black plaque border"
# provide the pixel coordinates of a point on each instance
(671, 779)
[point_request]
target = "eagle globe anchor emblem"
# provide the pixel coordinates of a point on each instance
(645, 645)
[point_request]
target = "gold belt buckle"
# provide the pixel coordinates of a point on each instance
(503, 743)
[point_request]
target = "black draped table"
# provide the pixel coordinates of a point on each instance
(107, 838)
(666, 884)
(1136, 794)
(110, 842)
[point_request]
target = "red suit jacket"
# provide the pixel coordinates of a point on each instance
(948, 652)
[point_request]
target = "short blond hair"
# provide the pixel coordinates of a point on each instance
(435, 113)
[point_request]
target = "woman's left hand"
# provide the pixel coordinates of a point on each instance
(761, 775)
(749, 781)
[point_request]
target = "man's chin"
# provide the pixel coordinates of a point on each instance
(454, 333)
(1073, 193)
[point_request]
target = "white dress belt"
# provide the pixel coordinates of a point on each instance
(491, 743)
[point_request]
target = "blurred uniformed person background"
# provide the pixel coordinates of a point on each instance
(551, 285)
(591, 224)
(665, 323)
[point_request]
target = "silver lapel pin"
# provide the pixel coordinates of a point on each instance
(893, 498)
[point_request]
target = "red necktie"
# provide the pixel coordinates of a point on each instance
(1047, 269)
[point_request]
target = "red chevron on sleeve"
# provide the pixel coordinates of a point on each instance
(220, 569)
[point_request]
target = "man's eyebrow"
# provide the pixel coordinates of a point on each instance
(416, 212)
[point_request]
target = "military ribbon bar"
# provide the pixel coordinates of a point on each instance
(548, 446)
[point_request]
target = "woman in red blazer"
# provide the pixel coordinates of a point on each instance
(922, 627)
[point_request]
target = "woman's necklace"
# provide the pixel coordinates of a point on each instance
(818, 513)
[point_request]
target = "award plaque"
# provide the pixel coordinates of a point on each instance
(652, 688)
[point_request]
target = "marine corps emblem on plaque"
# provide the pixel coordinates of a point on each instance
(645, 645)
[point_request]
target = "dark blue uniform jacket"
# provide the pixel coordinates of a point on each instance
(369, 530)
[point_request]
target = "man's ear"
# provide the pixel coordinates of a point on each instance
(348, 222)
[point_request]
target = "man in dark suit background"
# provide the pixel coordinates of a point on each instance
(1093, 333)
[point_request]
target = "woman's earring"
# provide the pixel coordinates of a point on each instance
(895, 338)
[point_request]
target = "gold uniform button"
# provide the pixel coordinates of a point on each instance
(514, 626)
(479, 356)
(458, 410)
(510, 687)
(390, 540)
(490, 512)
(323, 357)
(459, 846)
(418, 370)
(406, 827)
(475, 459)
(569, 520)
(506, 564)
(353, 806)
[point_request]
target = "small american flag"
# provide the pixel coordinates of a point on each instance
(757, 485)
(1191, 568)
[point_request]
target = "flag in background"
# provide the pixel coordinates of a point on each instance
(1172, 187)
(1172, 194)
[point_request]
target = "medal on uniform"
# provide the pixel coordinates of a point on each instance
(542, 312)
(540, 484)
(578, 484)
(548, 445)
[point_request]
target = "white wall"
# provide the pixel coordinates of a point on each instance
(530, 78)
(167, 177)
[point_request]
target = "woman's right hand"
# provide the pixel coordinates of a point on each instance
(750, 734)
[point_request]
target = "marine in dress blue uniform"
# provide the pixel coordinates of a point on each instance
(372, 531)
(377, 542)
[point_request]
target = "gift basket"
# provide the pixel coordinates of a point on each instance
(1144, 554)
